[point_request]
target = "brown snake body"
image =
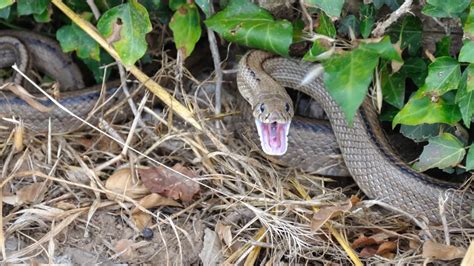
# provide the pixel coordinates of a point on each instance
(370, 159)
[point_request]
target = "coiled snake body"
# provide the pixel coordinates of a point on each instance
(366, 153)
(371, 161)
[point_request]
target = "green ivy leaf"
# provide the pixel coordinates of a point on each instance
(186, 28)
(96, 67)
(347, 24)
(245, 23)
(420, 133)
(45, 16)
(6, 3)
(409, 30)
(331, 7)
(465, 98)
(5, 12)
(421, 108)
(383, 48)
(132, 21)
(414, 68)
(204, 6)
(158, 9)
(467, 52)
(347, 78)
(444, 75)
(366, 20)
(316, 49)
(393, 88)
(326, 26)
(470, 158)
(443, 8)
(442, 151)
(28, 7)
(72, 38)
(469, 24)
(175, 4)
(443, 47)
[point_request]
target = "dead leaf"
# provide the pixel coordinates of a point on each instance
(125, 249)
(386, 247)
(368, 252)
(363, 241)
(122, 183)
(169, 183)
(224, 233)
(19, 137)
(469, 258)
(325, 213)
(395, 64)
(155, 200)
(433, 250)
(31, 193)
(141, 220)
(211, 253)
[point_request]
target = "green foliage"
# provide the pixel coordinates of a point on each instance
(409, 32)
(393, 88)
(29, 7)
(129, 22)
(465, 98)
(470, 158)
(245, 23)
(442, 151)
(347, 78)
(444, 75)
(186, 28)
(420, 133)
(467, 52)
(331, 7)
(72, 38)
(5, 3)
(5, 12)
(415, 69)
(367, 20)
(443, 8)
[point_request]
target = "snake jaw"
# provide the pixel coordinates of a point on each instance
(273, 137)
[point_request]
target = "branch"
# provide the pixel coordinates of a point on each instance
(381, 27)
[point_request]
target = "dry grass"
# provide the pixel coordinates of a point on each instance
(55, 208)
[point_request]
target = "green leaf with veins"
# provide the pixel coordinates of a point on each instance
(28, 7)
(246, 24)
(470, 158)
(469, 24)
(347, 78)
(326, 26)
(444, 8)
(420, 133)
(126, 25)
(467, 52)
(72, 38)
(442, 151)
(186, 28)
(393, 88)
(45, 16)
(383, 48)
(465, 98)
(423, 108)
(366, 20)
(409, 30)
(444, 75)
(331, 7)
(414, 68)
(316, 50)
(5, 3)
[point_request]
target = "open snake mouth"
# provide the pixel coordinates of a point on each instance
(273, 137)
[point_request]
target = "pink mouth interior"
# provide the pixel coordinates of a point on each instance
(273, 137)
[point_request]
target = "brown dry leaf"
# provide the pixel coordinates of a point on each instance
(65, 205)
(368, 252)
(170, 184)
(141, 220)
(363, 241)
(224, 233)
(124, 249)
(115, 35)
(155, 200)
(19, 137)
(325, 213)
(31, 193)
(433, 250)
(122, 183)
(395, 64)
(386, 247)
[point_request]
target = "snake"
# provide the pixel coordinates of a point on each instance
(313, 145)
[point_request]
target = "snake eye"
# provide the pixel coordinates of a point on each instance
(262, 108)
(287, 107)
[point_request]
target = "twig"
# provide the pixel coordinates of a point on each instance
(216, 58)
(381, 27)
(307, 16)
(94, 9)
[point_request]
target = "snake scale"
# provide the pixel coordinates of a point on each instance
(261, 77)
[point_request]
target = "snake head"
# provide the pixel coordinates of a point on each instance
(273, 116)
